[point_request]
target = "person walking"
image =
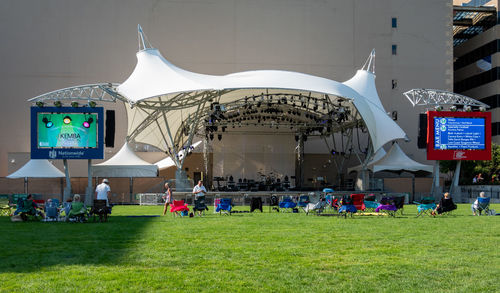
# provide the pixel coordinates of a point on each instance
(167, 197)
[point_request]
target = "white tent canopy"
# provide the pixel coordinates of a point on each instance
(156, 83)
(37, 169)
(377, 156)
(397, 161)
(125, 163)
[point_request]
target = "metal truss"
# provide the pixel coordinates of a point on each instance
(432, 97)
(103, 92)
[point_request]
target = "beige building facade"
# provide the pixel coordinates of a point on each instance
(53, 44)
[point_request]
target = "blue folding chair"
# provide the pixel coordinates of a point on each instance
(425, 206)
(483, 205)
(303, 201)
(51, 211)
(287, 204)
(224, 207)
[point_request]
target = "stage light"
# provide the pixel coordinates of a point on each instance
(67, 120)
(482, 109)
(467, 108)
(332, 152)
(439, 108)
(211, 136)
(48, 123)
(219, 137)
(74, 104)
(296, 138)
(39, 104)
(58, 104)
(453, 108)
(92, 104)
(87, 123)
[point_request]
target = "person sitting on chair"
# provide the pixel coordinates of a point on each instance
(446, 204)
(475, 206)
(77, 208)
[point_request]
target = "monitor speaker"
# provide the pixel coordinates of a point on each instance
(422, 131)
(109, 140)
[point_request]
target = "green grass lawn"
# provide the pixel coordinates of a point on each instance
(270, 252)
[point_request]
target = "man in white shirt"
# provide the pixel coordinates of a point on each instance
(102, 191)
(199, 189)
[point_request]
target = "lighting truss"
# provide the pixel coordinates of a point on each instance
(103, 92)
(432, 97)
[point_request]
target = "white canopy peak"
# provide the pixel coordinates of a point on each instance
(144, 44)
(370, 62)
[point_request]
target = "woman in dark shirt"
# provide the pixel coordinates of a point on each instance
(446, 204)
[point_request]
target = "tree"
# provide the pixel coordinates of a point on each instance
(469, 169)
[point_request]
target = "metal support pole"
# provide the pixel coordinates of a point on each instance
(67, 190)
(208, 179)
(88, 191)
(435, 181)
(454, 189)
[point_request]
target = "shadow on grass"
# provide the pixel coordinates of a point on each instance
(30, 246)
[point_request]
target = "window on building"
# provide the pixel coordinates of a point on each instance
(394, 22)
(394, 49)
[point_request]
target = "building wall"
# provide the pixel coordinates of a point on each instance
(53, 44)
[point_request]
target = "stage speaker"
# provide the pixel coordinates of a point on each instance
(422, 131)
(109, 140)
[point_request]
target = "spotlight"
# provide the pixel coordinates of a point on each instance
(58, 104)
(439, 108)
(467, 108)
(39, 104)
(332, 152)
(74, 104)
(92, 104)
(482, 109)
(211, 136)
(48, 124)
(219, 137)
(453, 108)
(67, 120)
(296, 138)
(87, 123)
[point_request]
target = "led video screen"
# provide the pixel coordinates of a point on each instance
(455, 133)
(76, 130)
(458, 135)
(66, 133)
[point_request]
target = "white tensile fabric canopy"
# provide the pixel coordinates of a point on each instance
(37, 169)
(397, 161)
(125, 163)
(168, 162)
(377, 156)
(154, 79)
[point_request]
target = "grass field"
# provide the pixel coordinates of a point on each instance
(270, 252)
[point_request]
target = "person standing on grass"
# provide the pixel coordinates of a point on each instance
(199, 190)
(167, 197)
(102, 191)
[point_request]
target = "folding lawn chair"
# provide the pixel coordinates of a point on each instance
(399, 202)
(483, 205)
(100, 209)
(287, 204)
(225, 206)
(358, 201)
(387, 206)
(78, 212)
(51, 211)
(317, 207)
(178, 207)
(303, 201)
(274, 203)
(4, 205)
(347, 208)
(425, 206)
(255, 204)
(200, 206)
(371, 203)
